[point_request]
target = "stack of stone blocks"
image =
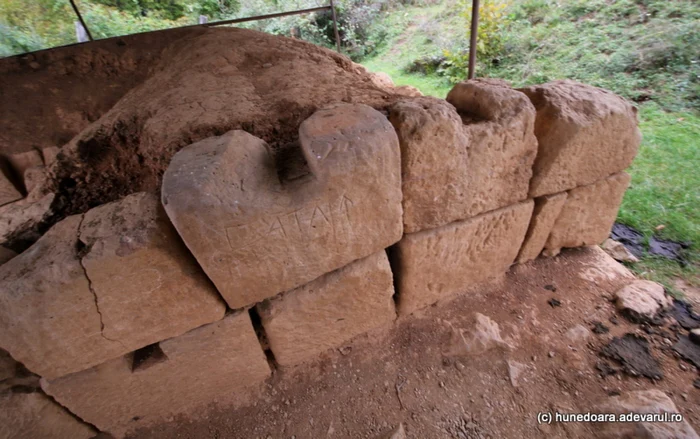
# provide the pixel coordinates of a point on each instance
(150, 306)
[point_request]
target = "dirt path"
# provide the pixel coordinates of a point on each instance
(419, 374)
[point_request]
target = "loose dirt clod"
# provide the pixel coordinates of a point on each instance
(633, 352)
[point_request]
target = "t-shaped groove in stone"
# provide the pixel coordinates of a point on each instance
(256, 235)
(97, 286)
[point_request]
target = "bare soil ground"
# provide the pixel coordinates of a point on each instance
(413, 373)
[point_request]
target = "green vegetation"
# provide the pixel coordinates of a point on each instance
(645, 50)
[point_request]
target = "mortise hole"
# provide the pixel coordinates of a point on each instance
(147, 356)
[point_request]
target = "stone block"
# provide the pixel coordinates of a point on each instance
(34, 415)
(584, 133)
(259, 225)
(466, 156)
(588, 214)
(326, 312)
(547, 209)
(49, 154)
(6, 254)
(20, 162)
(177, 375)
(8, 191)
(437, 263)
(99, 286)
(22, 219)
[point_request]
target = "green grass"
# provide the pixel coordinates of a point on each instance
(665, 189)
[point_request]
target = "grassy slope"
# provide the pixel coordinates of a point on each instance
(665, 186)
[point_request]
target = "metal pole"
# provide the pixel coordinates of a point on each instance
(472, 38)
(335, 27)
(264, 17)
(80, 17)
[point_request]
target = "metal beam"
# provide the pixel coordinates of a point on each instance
(264, 17)
(335, 26)
(472, 38)
(80, 18)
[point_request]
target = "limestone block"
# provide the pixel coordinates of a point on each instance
(183, 373)
(34, 415)
(49, 154)
(8, 191)
(20, 162)
(256, 234)
(97, 287)
(34, 178)
(588, 214)
(646, 402)
(6, 254)
(585, 134)
(466, 156)
(547, 209)
(641, 300)
(22, 218)
(302, 323)
(437, 263)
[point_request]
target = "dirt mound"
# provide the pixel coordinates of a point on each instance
(50, 96)
(206, 83)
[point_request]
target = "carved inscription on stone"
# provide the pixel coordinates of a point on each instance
(256, 236)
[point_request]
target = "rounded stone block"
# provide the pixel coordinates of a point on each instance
(544, 215)
(261, 222)
(588, 214)
(584, 133)
(470, 154)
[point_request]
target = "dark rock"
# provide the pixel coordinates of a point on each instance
(688, 350)
(632, 351)
(599, 328)
(554, 303)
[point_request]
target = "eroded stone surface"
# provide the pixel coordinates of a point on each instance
(588, 214)
(34, 415)
(8, 191)
(97, 287)
(643, 401)
(21, 219)
(330, 310)
(6, 254)
(584, 133)
(256, 235)
(192, 370)
(7, 365)
(544, 215)
(641, 299)
(457, 163)
(440, 262)
(20, 162)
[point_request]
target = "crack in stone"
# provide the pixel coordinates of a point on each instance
(92, 289)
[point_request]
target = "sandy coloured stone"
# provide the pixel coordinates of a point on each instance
(302, 323)
(49, 154)
(259, 225)
(6, 254)
(588, 214)
(642, 402)
(545, 213)
(437, 263)
(470, 154)
(641, 299)
(8, 191)
(207, 364)
(20, 162)
(22, 219)
(584, 133)
(34, 415)
(96, 287)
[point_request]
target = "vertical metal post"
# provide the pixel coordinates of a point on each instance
(472, 38)
(80, 17)
(335, 27)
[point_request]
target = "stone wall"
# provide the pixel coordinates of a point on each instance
(247, 261)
